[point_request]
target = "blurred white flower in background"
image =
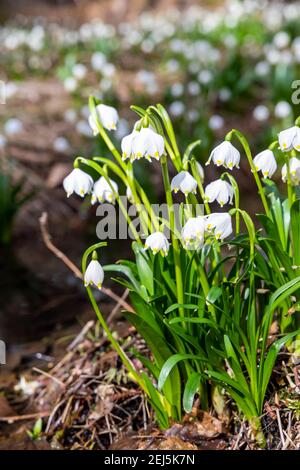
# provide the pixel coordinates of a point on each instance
(83, 128)
(70, 116)
(281, 39)
(177, 108)
(262, 68)
(13, 126)
(225, 94)
(61, 145)
(176, 90)
(2, 141)
(216, 122)
(70, 84)
(79, 71)
(282, 109)
(261, 113)
(98, 60)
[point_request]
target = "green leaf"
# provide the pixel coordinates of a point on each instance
(190, 390)
(171, 363)
(295, 228)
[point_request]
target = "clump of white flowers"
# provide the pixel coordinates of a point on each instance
(143, 143)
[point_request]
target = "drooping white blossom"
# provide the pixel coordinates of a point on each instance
(157, 242)
(289, 139)
(78, 182)
(219, 191)
(192, 233)
(219, 223)
(294, 167)
(266, 163)
(103, 191)
(108, 117)
(225, 154)
(184, 182)
(144, 143)
(94, 274)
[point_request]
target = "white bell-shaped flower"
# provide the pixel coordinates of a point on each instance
(219, 223)
(219, 191)
(127, 144)
(78, 182)
(157, 242)
(225, 154)
(107, 115)
(184, 182)
(94, 274)
(294, 166)
(289, 139)
(266, 163)
(147, 143)
(192, 233)
(103, 191)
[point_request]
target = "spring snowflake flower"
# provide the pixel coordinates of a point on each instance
(107, 115)
(157, 242)
(225, 154)
(78, 182)
(289, 138)
(144, 143)
(184, 182)
(103, 192)
(266, 163)
(219, 191)
(220, 224)
(294, 165)
(192, 233)
(94, 274)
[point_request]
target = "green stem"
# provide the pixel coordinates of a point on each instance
(175, 243)
(246, 147)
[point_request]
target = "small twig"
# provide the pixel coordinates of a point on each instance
(280, 428)
(55, 379)
(13, 419)
(81, 335)
(59, 254)
(117, 306)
